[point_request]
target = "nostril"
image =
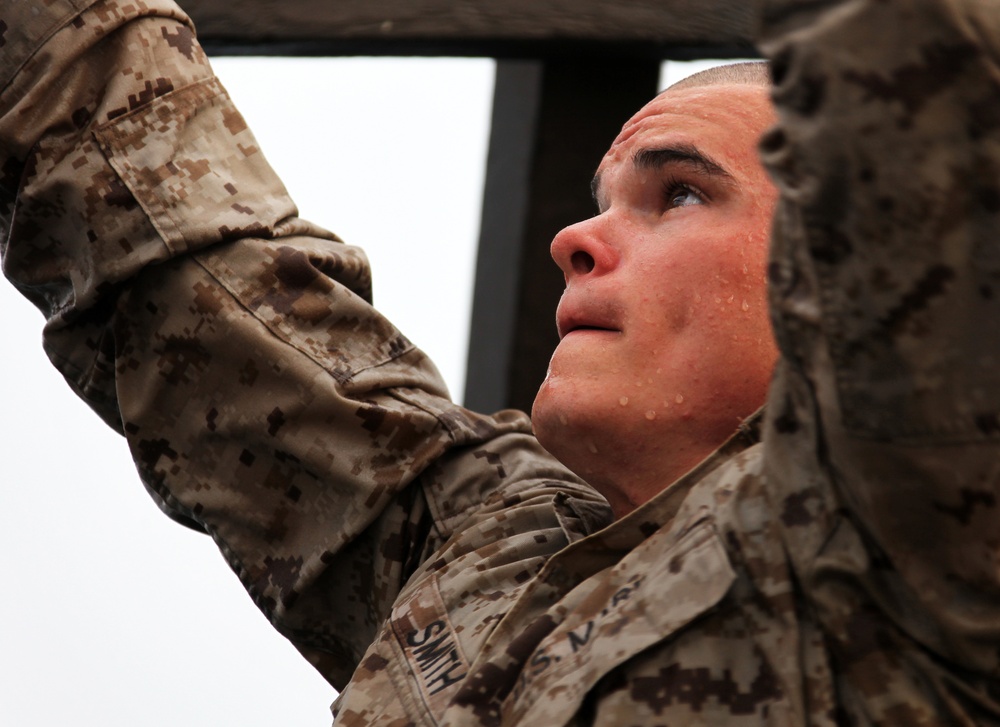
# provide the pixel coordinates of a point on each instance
(582, 262)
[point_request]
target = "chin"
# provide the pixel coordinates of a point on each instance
(564, 431)
(544, 415)
(549, 414)
(566, 428)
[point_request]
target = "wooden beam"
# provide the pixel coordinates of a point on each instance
(500, 28)
(552, 122)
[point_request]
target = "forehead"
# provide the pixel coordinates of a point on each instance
(724, 121)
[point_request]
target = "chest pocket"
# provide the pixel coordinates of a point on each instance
(650, 595)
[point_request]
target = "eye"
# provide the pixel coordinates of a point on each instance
(679, 194)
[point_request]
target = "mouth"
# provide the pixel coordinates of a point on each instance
(580, 329)
(568, 324)
(578, 315)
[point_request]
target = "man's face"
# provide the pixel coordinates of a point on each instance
(665, 338)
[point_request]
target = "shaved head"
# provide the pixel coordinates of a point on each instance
(748, 73)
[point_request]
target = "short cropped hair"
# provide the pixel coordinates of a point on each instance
(746, 73)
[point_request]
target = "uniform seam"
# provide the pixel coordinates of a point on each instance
(397, 393)
(286, 340)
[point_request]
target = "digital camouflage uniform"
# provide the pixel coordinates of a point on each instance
(835, 563)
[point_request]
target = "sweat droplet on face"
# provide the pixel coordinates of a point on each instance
(563, 420)
(745, 306)
(651, 415)
(679, 398)
(623, 401)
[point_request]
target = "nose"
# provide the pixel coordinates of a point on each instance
(583, 249)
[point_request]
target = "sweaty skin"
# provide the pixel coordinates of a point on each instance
(666, 345)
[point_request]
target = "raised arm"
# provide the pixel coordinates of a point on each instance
(884, 435)
(264, 400)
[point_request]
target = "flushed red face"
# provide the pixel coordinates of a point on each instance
(665, 342)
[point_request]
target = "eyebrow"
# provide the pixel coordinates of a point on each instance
(656, 157)
(679, 154)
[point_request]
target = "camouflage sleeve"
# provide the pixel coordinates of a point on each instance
(264, 401)
(884, 422)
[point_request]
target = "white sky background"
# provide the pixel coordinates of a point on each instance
(113, 615)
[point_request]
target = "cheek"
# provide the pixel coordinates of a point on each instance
(712, 279)
(745, 297)
(742, 258)
(718, 296)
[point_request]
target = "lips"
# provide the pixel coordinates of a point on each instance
(574, 316)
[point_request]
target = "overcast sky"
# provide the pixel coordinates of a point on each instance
(115, 616)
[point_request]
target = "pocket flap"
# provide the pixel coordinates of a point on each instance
(193, 165)
(645, 599)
